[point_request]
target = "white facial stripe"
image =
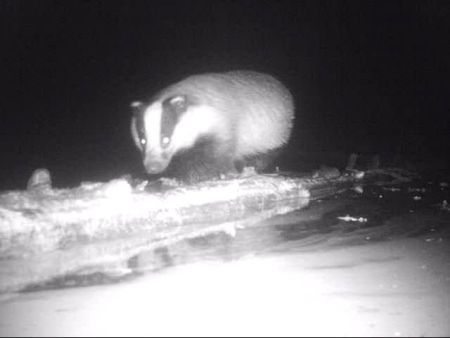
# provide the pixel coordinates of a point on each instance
(197, 121)
(152, 122)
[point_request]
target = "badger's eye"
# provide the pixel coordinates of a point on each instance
(143, 141)
(165, 141)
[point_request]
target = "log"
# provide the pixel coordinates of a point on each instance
(46, 233)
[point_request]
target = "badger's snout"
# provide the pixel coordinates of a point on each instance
(155, 164)
(154, 168)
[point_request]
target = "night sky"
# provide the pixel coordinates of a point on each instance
(367, 76)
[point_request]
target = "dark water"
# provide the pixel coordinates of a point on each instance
(416, 209)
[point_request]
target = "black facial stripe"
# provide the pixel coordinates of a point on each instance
(172, 109)
(140, 128)
(138, 114)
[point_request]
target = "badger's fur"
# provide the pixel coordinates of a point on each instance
(212, 124)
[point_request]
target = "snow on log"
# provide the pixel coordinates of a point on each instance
(47, 233)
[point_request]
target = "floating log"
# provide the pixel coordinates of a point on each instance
(47, 233)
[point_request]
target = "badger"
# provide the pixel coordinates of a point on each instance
(213, 124)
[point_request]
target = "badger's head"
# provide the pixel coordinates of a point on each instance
(165, 127)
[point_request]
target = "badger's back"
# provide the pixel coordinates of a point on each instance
(264, 110)
(257, 109)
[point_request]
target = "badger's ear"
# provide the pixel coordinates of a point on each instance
(178, 103)
(136, 107)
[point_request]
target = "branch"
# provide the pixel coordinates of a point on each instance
(47, 233)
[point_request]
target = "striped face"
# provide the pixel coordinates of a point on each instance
(153, 129)
(162, 129)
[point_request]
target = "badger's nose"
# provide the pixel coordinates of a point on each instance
(153, 168)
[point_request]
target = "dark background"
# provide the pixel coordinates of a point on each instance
(367, 76)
